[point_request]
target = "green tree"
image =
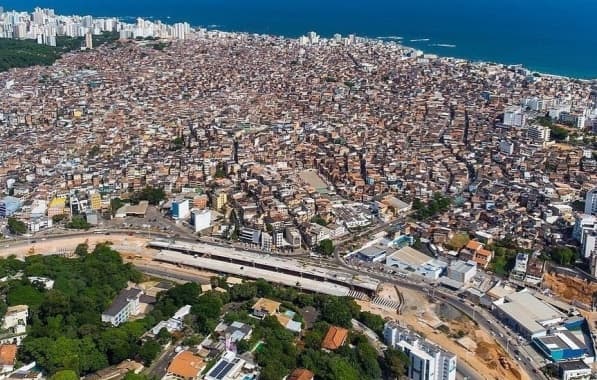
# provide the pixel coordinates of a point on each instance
(16, 226)
(319, 220)
(563, 255)
(78, 222)
(151, 194)
(339, 311)
(65, 375)
(115, 204)
(149, 351)
(58, 218)
(458, 241)
(177, 143)
(559, 133)
(373, 321)
(326, 247)
(133, 376)
(82, 249)
(396, 363)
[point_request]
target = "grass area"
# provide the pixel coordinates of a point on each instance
(26, 53)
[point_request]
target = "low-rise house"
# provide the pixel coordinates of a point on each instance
(229, 367)
(176, 323)
(334, 338)
(14, 325)
(301, 374)
(185, 366)
(8, 355)
(125, 305)
(234, 332)
(265, 307)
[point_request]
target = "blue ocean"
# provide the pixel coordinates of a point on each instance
(551, 36)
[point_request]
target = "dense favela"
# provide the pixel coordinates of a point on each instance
(188, 203)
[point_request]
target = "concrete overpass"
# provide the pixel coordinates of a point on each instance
(284, 270)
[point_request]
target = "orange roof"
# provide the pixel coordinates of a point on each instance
(474, 245)
(301, 374)
(8, 353)
(186, 365)
(267, 305)
(335, 337)
(484, 252)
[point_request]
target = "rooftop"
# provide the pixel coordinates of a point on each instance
(186, 365)
(334, 338)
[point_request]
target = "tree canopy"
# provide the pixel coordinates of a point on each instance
(326, 247)
(154, 195)
(16, 227)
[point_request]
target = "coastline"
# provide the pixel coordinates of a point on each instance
(400, 41)
(426, 42)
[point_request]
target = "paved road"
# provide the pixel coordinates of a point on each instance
(158, 368)
(171, 274)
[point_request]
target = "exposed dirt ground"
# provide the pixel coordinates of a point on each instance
(419, 315)
(570, 288)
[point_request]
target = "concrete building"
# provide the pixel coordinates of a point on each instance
(9, 205)
(267, 242)
(125, 305)
(591, 202)
(200, 219)
(514, 117)
(180, 209)
(14, 325)
(427, 361)
(57, 206)
(539, 134)
(88, 41)
(372, 254)
(293, 237)
(589, 244)
(96, 201)
(410, 259)
(526, 314)
(506, 147)
(574, 370)
(462, 271)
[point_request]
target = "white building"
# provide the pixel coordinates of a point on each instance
(427, 361)
(574, 370)
(589, 244)
(514, 117)
(266, 241)
(539, 134)
(125, 305)
(410, 259)
(201, 219)
(506, 147)
(591, 202)
(461, 271)
(14, 325)
(176, 323)
(180, 209)
(584, 223)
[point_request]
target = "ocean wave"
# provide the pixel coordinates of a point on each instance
(390, 38)
(443, 45)
(214, 26)
(420, 40)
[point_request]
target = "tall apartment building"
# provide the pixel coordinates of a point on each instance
(514, 117)
(427, 361)
(539, 133)
(591, 202)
